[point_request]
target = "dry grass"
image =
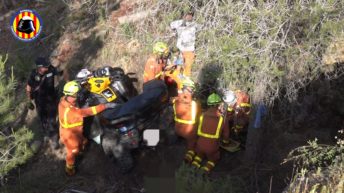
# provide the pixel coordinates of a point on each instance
(266, 47)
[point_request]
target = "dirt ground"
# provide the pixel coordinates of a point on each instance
(154, 171)
(96, 173)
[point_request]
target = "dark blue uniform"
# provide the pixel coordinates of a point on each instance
(45, 97)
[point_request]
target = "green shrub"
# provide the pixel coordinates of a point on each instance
(319, 168)
(128, 30)
(14, 149)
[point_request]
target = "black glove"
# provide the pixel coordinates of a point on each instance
(30, 105)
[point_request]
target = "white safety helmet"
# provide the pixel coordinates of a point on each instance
(229, 97)
(83, 73)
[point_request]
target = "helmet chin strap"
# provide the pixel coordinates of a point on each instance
(71, 99)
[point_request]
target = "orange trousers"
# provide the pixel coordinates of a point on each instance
(209, 148)
(74, 141)
(188, 132)
(189, 59)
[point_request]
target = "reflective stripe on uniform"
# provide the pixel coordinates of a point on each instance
(211, 136)
(158, 75)
(191, 152)
(188, 156)
(94, 110)
(65, 123)
(193, 114)
(211, 163)
(245, 105)
(196, 164)
(198, 159)
(205, 168)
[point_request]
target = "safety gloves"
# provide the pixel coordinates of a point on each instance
(111, 105)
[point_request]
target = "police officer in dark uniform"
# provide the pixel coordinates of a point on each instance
(41, 89)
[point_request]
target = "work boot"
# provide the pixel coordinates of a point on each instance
(208, 167)
(188, 158)
(230, 145)
(197, 162)
(70, 170)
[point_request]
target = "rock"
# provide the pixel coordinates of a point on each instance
(64, 51)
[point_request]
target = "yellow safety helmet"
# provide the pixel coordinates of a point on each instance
(161, 49)
(187, 82)
(71, 88)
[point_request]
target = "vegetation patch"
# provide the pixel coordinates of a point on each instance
(14, 148)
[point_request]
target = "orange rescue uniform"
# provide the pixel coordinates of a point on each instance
(153, 68)
(238, 115)
(211, 128)
(71, 127)
(189, 59)
(186, 112)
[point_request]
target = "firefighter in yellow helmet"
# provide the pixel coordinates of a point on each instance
(156, 62)
(211, 128)
(186, 111)
(71, 123)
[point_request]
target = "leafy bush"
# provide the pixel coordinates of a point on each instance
(319, 168)
(14, 148)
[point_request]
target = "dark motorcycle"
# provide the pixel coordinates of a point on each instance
(119, 130)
